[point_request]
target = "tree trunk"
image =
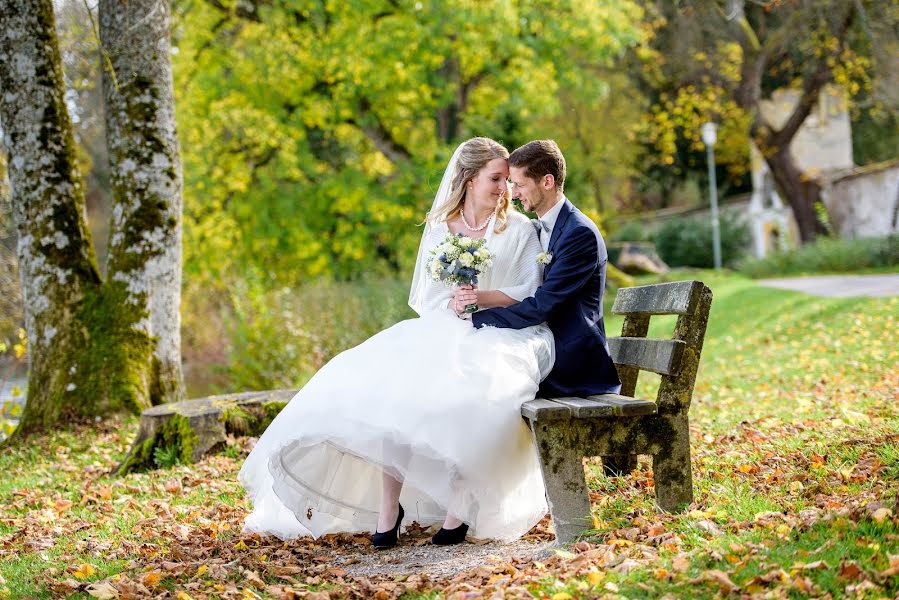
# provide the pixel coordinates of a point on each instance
(145, 233)
(448, 113)
(56, 260)
(801, 193)
(593, 182)
(91, 345)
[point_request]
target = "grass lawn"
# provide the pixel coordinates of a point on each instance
(795, 436)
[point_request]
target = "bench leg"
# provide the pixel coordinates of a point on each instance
(671, 468)
(566, 486)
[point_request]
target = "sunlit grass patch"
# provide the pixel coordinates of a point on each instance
(793, 424)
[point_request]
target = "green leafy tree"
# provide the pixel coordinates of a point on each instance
(315, 133)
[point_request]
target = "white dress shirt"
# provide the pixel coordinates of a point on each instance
(550, 220)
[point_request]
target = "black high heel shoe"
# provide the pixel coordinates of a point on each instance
(388, 539)
(448, 537)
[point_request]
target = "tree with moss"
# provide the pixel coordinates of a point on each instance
(719, 59)
(96, 346)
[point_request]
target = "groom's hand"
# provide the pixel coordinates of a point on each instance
(463, 296)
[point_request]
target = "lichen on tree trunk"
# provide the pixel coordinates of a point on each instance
(92, 344)
(56, 259)
(145, 163)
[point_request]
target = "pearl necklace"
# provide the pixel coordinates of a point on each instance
(476, 228)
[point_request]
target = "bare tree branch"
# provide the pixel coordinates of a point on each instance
(375, 131)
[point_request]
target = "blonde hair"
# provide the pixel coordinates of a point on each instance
(474, 156)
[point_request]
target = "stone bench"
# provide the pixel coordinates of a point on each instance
(619, 427)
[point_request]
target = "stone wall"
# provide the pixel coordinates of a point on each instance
(864, 202)
(824, 142)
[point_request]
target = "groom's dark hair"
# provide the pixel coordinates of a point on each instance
(539, 158)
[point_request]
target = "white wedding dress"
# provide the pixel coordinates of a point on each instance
(432, 401)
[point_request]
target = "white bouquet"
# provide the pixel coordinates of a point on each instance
(458, 260)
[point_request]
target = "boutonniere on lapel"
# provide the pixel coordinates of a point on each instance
(544, 258)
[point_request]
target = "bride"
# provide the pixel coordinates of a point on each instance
(421, 422)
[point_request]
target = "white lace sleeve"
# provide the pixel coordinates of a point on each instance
(524, 275)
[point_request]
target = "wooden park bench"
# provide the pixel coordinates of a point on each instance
(566, 430)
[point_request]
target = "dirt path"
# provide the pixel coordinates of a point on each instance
(839, 286)
(437, 562)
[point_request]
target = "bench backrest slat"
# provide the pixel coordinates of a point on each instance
(676, 298)
(659, 356)
(676, 359)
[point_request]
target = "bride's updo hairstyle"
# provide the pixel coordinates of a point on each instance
(474, 156)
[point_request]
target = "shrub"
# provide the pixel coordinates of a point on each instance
(828, 255)
(687, 242)
(632, 231)
(280, 338)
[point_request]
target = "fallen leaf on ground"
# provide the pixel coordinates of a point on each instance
(103, 590)
(882, 513)
(890, 571)
(850, 570)
(84, 571)
(818, 564)
(680, 564)
(719, 577)
(709, 527)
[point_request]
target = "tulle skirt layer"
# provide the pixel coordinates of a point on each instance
(431, 401)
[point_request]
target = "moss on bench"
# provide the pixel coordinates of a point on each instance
(567, 429)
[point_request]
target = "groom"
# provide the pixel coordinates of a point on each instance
(570, 299)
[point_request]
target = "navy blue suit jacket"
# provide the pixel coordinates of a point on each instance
(570, 302)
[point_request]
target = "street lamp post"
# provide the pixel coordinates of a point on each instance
(709, 136)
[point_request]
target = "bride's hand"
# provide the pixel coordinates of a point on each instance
(463, 296)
